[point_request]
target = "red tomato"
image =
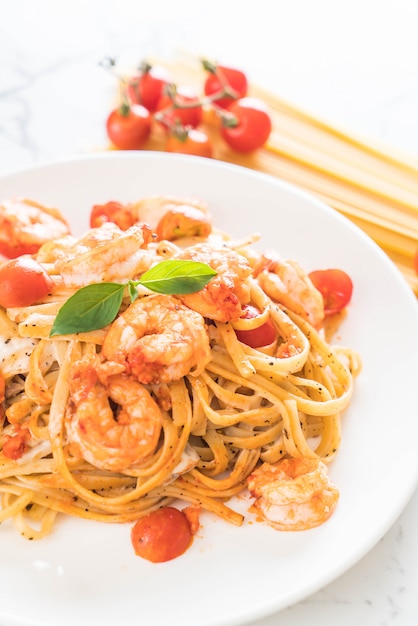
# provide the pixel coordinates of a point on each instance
(128, 127)
(256, 337)
(222, 79)
(111, 212)
(251, 127)
(12, 252)
(183, 108)
(147, 87)
(23, 281)
(162, 535)
(335, 286)
(190, 141)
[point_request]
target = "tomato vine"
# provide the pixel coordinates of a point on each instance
(153, 106)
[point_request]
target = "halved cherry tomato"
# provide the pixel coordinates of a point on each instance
(147, 87)
(335, 286)
(264, 335)
(249, 126)
(221, 79)
(23, 281)
(189, 141)
(128, 127)
(111, 212)
(182, 107)
(161, 535)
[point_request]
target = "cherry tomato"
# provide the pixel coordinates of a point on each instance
(128, 127)
(190, 141)
(178, 108)
(335, 286)
(221, 78)
(251, 128)
(12, 252)
(147, 87)
(161, 535)
(23, 281)
(111, 212)
(256, 337)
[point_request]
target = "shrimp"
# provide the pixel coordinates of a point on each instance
(159, 340)
(25, 225)
(183, 221)
(56, 249)
(153, 208)
(106, 254)
(286, 282)
(293, 494)
(113, 424)
(222, 298)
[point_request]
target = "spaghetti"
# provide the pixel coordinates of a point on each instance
(113, 423)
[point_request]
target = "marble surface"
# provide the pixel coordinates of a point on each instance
(354, 64)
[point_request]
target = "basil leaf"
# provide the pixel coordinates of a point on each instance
(90, 308)
(132, 289)
(95, 306)
(177, 277)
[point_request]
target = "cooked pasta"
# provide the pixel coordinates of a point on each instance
(167, 402)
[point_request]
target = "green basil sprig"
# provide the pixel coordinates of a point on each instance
(95, 306)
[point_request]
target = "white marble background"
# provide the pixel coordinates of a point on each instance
(353, 63)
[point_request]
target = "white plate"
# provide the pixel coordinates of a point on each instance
(86, 573)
